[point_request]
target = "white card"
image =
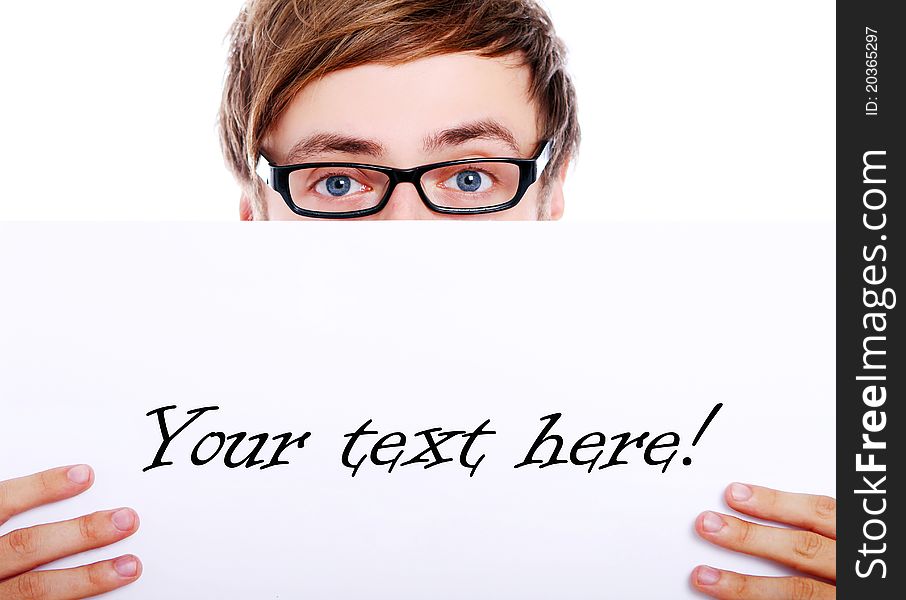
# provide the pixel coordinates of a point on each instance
(294, 328)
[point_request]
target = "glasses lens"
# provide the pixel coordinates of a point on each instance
(472, 185)
(337, 189)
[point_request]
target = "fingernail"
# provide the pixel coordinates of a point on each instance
(740, 492)
(79, 474)
(123, 519)
(711, 522)
(707, 576)
(126, 566)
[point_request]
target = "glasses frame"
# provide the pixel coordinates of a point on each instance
(530, 169)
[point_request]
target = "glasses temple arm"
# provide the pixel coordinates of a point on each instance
(543, 159)
(263, 169)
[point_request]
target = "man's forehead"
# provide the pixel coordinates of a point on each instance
(433, 101)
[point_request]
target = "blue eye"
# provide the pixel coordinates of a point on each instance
(339, 186)
(469, 181)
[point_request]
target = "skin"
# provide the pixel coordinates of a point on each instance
(398, 107)
(809, 546)
(22, 550)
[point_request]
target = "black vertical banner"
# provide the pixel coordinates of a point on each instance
(871, 369)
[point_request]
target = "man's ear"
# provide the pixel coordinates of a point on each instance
(245, 209)
(557, 200)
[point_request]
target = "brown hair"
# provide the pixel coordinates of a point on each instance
(279, 46)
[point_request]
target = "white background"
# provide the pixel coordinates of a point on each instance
(691, 110)
(619, 327)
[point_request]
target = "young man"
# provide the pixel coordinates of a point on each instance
(398, 84)
(402, 109)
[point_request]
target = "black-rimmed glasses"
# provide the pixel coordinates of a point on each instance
(336, 190)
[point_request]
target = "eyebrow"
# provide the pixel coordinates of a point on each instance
(326, 143)
(487, 129)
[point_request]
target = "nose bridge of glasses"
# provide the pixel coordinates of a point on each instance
(406, 201)
(398, 183)
(412, 175)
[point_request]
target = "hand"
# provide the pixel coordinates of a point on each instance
(810, 548)
(24, 549)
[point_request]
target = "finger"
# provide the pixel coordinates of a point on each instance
(803, 550)
(728, 585)
(25, 493)
(815, 513)
(24, 549)
(70, 584)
